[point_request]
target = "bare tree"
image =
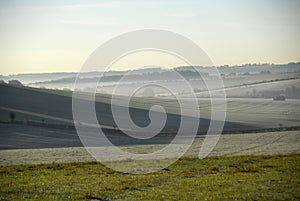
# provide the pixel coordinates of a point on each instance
(12, 116)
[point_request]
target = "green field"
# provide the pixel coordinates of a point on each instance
(214, 178)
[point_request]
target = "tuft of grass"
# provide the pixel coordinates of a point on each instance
(214, 178)
(212, 170)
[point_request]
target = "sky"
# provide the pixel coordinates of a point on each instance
(58, 36)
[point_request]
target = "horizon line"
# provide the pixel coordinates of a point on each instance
(217, 66)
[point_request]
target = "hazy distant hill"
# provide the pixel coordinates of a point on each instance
(58, 105)
(67, 76)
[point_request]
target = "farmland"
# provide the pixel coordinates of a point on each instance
(42, 158)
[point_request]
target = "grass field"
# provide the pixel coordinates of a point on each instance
(214, 178)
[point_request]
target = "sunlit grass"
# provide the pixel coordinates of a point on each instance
(215, 178)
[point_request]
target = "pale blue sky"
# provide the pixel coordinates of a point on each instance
(49, 36)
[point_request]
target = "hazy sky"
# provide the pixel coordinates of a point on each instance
(48, 36)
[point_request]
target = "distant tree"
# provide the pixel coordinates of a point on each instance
(12, 116)
(279, 98)
(15, 82)
(196, 90)
(148, 92)
(265, 72)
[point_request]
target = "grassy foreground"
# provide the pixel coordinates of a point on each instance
(215, 178)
